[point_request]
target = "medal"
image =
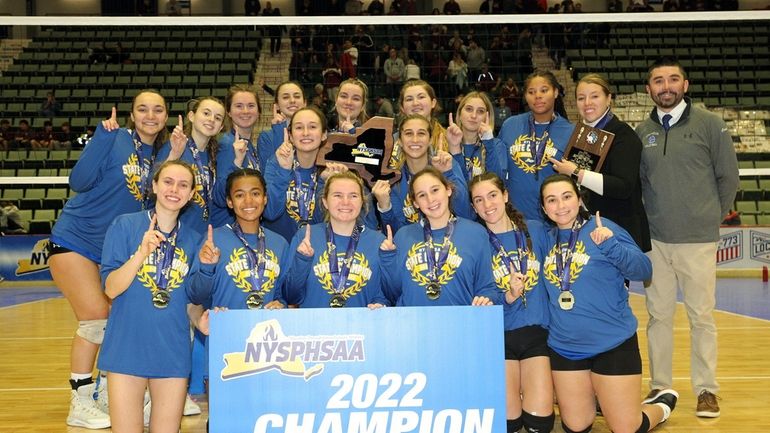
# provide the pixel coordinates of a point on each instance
(433, 291)
(337, 301)
(254, 301)
(305, 196)
(566, 300)
(206, 178)
(522, 254)
(161, 298)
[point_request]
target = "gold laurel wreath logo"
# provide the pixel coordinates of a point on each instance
(519, 158)
(575, 268)
(504, 281)
(176, 277)
(358, 280)
(133, 180)
(292, 205)
(447, 271)
(242, 277)
(410, 212)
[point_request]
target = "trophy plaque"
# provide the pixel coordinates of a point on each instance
(588, 147)
(367, 151)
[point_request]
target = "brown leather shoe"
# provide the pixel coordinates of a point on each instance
(707, 405)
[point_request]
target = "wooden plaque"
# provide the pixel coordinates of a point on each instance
(588, 147)
(367, 151)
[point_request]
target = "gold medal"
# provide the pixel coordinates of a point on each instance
(433, 291)
(337, 301)
(254, 301)
(566, 300)
(161, 298)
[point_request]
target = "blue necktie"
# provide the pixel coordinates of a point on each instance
(666, 120)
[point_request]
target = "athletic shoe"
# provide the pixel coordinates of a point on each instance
(83, 409)
(666, 399)
(191, 407)
(707, 405)
(100, 395)
(651, 396)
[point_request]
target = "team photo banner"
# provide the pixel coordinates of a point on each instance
(394, 370)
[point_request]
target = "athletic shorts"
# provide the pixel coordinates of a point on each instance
(526, 342)
(622, 360)
(54, 249)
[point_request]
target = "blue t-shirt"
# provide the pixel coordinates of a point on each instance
(525, 175)
(140, 339)
(229, 282)
(108, 180)
(465, 274)
(601, 318)
(311, 284)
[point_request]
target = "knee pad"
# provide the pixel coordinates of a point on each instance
(645, 424)
(567, 429)
(514, 425)
(538, 424)
(92, 330)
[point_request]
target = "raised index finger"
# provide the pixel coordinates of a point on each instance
(153, 221)
(211, 234)
(181, 121)
(451, 121)
(598, 220)
(390, 233)
(114, 115)
(307, 233)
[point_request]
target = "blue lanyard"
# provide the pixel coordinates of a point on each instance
(564, 255)
(206, 178)
(305, 195)
(164, 255)
(436, 263)
(256, 258)
(252, 157)
(537, 146)
(144, 169)
(521, 251)
(340, 276)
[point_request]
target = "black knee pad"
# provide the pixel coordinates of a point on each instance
(514, 425)
(645, 424)
(538, 424)
(567, 429)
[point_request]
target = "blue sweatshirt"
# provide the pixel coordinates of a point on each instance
(228, 282)
(524, 173)
(142, 340)
(601, 318)
(310, 283)
(108, 182)
(465, 274)
(489, 156)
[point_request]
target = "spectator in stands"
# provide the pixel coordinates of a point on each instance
(436, 70)
(524, 53)
(11, 221)
(251, 8)
(475, 57)
(64, 138)
(23, 136)
(320, 98)
(486, 81)
(409, 7)
(43, 139)
(457, 71)
(353, 7)
(682, 141)
(615, 6)
(395, 71)
(451, 7)
(456, 41)
(349, 60)
(412, 71)
(364, 44)
(173, 8)
(120, 55)
(502, 112)
(50, 107)
(306, 9)
(495, 54)
(6, 134)
(670, 6)
(275, 32)
(376, 8)
(379, 63)
(384, 107)
(332, 78)
(146, 8)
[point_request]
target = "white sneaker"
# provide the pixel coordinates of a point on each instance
(83, 409)
(191, 407)
(100, 395)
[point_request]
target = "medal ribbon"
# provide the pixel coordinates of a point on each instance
(604, 120)
(305, 195)
(256, 257)
(564, 256)
(144, 169)
(206, 178)
(521, 251)
(537, 147)
(479, 150)
(435, 263)
(340, 276)
(252, 157)
(164, 256)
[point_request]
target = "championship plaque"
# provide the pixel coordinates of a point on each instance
(588, 147)
(367, 151)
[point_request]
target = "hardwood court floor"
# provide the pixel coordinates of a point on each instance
(35, 342)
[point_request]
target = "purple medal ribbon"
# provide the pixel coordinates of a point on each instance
(564, 256)
(521, 250)
(164, 256)
(252, 157)
(256, 257)
(206, 178)
(434, 264)
(537, 147)
(305, 195)
(340, 276)
(144, 169)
